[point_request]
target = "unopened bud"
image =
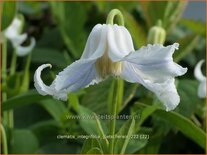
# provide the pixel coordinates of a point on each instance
(157, 35)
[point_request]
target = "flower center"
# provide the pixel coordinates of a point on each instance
(105, 66)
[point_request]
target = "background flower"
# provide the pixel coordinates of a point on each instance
(61, 30)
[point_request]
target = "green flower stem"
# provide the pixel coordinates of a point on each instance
(115, 110)
(120, 92)
(28, 61)
(12, 72)
(4, 69)
(111, 16)
(4, 140)
(4, 77)
(13, 63)
(112, 128)
(25, 82)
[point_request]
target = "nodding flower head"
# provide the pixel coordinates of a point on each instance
(201, 78)
(13, 33)
(109, 51)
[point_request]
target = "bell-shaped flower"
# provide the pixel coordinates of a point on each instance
(201, 78)
(13, 34)
(109, 51)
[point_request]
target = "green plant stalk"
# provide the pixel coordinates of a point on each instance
(4, 140)
(25, 82)
(120, 92)
(113, 128)
(110, 97)
(13, 63)
(101, 132)
(118, 98)
(28, 61)
(12, 72)
(6, 115)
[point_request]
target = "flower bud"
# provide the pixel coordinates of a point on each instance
(157, 35)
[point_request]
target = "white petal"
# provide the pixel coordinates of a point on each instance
(39, 84)
(202, 89)
(96, 43)
(44, 89)
(74, 73)
(155, 63)
(153, 67)
(12, 32)
(197, 72)
(119, 42)
(79, 74)
(18, 39)
(165, 91)
(22, 51)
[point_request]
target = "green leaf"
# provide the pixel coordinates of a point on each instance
(198, 27)
(167, 11)
(187, 44)
(8, 13)
(137, 31)
(103, 140)
(94, 150)
(48, 55)
(187, 89)
(97, 104)
(24, 99)
(90, 143)
(68, 15)
(102, 103)
(185, 126)
(86, 121)
(59, 147)
(107, 7)
(145, 113)
(31, 8)
(126, 130)
(56, 108)
(45, 131)
(135, 145)
(24, 141)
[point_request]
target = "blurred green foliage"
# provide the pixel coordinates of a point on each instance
(61, 30)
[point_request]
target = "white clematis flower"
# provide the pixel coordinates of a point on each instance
(109, 51)
(13, 34)
(201, 78)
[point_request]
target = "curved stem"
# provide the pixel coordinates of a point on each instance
(111, 16)
(4, 140)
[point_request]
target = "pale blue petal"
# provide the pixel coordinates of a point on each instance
(120, 42)
(153, 67)
(202, 89)
(24, 50)
(198, 73)
(73, 74)
(155, 62)
(96, 43)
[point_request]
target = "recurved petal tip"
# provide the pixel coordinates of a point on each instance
(197, 71)
(22, 51)
(39, 84)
